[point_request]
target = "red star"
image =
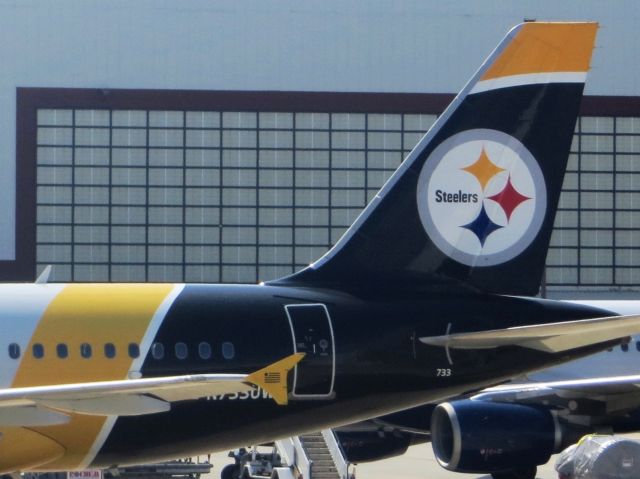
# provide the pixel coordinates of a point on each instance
(509, 198)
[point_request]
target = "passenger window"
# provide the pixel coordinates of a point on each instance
(38, 351)
(14, 351)
(109, 350)
(228, 350)
(134, 350)
(181, 351)
(157, 351)
(85, 350)
(62, 350)
(624, 347)
(204, 350)
(637, 345)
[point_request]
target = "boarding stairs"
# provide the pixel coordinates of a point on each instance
(317, 455)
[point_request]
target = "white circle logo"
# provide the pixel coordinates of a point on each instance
(481, 197)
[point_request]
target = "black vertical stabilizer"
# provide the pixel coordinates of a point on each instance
(475, 201)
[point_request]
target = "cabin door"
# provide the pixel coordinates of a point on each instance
(313, 335)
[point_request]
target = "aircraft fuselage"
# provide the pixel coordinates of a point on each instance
(362, 359)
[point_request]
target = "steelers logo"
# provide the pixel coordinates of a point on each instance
(481, 197)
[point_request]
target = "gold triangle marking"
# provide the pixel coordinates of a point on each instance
(273, 378)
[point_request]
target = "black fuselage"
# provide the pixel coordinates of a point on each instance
(363, 359)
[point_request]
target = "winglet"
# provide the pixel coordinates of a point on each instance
(44, 276)
(273, 378)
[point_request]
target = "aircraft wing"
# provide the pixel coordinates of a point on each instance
(587, 398)
(589, 386)
(53, 404)
(552, 338)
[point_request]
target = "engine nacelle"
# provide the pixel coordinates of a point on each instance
(367, 446)
(485, 437)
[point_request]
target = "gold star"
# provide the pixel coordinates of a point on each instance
(483, 169)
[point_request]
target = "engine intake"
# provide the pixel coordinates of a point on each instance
(485, 437)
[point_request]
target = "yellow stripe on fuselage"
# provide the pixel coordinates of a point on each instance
(95, 314)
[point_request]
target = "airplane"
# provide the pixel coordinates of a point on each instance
(508, 430)
(424, 298)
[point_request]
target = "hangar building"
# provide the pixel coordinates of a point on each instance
(225, 141)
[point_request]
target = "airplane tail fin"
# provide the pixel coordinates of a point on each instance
(474, 202)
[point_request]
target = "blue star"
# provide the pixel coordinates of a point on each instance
(482, 226)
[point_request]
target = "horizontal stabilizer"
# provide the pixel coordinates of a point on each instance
(551, 338)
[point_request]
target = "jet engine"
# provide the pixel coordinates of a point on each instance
(485, 437)
(366, 446)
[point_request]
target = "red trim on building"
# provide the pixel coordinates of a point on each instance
(29, 100)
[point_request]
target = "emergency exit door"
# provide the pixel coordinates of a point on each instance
(312, 332)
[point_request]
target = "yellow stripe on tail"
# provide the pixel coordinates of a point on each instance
(273, 378)
(546, 47)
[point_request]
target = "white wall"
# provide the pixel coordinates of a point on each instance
(324, 45)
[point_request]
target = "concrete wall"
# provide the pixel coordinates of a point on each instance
(328, 45)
